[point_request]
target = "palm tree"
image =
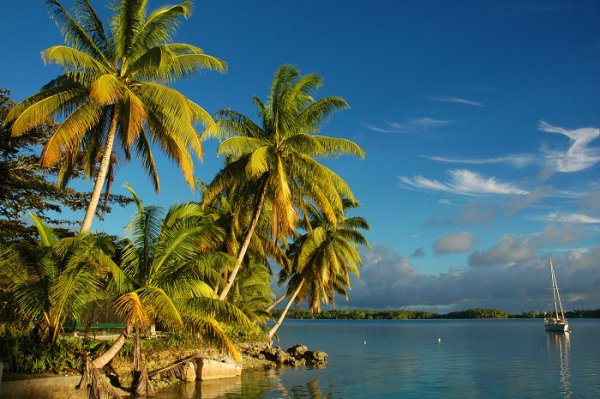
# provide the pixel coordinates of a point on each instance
(58, 280)
(278, 155)
(113, 90)
(322, 259)
(170, 263)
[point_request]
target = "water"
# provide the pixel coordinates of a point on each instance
(403, 359)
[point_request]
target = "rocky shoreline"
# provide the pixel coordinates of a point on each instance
(167, 367)
(297, 355)
(170, 366)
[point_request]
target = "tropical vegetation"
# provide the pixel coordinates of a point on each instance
(277, 156)
(113, 92)
(26, 187)
(202, 271)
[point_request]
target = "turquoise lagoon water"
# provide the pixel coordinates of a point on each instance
(403, 359)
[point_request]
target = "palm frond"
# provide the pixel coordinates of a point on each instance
(47, 236)
(333, 146)
(131, 309)
(74, 60)
(41, 107)
(75, 34)
(91, 24)
(67, 138)
(159, 27)
(126, 24)
(144, 151)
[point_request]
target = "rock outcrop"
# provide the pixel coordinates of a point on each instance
(297, 355)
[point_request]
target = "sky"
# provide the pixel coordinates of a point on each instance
(480, 121)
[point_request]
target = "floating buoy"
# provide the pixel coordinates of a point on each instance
(364, 342)
(439, 340)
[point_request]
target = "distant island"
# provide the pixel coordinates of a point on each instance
(478, 313)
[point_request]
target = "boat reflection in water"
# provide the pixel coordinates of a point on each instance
(559, 345)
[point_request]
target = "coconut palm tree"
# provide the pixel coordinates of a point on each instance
(58, 279)
(114, 93)
(277, 155)
(170, 262)
(322, 259)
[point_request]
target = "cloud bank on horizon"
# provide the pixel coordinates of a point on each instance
(509, 275)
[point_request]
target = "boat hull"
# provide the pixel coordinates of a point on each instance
(556, 326)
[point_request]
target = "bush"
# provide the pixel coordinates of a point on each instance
(21, 351)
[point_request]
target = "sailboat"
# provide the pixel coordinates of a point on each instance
(555, 319)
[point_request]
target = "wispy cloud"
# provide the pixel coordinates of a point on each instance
(516, 160)
(458, 100)
(454, 243)
(569, 218)
(579, 156)
(464, 182)
(410, 125)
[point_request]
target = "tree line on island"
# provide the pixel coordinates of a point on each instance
(202, 268)
(477, 313)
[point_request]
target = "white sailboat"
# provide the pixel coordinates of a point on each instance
(555, 319)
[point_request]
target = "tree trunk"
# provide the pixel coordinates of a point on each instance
(244, 248)
(101, 177)
(111, 352)
(285, 310)
(277, 302)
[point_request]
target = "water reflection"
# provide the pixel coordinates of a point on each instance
(560, 343)
(250, 386)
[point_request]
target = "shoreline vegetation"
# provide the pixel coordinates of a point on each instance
(200, 271)
(477, 313)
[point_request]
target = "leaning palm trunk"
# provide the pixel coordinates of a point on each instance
(141, 382)
(111, 352)
(104, 165)
(285, 310)
(97, 385)
(246, 244)
(277, 302)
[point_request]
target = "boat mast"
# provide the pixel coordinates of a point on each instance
(556, 294)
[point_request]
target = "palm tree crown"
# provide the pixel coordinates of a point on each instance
(113, 89)
(279, 153)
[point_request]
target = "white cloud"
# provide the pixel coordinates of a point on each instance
(454, 243)
(516, 160)
(411, 125)
(569, 218)
(464, 182)
(458, 100)
(509, 250)
(579, 156)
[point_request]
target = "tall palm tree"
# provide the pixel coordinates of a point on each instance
(58, 279)
(278, 155)
(170, 263)
(113, 90)
(322, 259)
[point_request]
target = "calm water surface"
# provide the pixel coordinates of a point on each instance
(403, 359)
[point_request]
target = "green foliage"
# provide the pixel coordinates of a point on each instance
(479, 313)
(21, 351)
(57, 279)
(582, 314)
(169, 261)
(279, 153)
(415, 315)
(361, 314)
(27, 187)
(113, 92)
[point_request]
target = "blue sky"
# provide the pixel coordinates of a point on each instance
(480, 122)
